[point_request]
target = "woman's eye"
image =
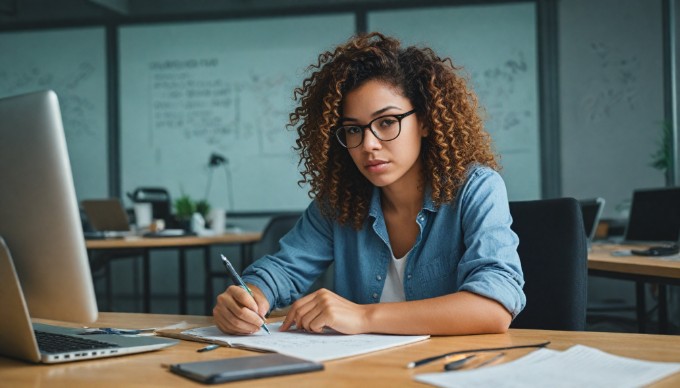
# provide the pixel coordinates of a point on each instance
(352, 130)
(387, 122)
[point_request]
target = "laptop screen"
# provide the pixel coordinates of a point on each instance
(654, 215)
(591, 210)
(106, 214)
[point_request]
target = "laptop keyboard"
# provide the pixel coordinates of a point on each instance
(60, 343)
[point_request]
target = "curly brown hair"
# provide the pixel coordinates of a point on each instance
(444, 103)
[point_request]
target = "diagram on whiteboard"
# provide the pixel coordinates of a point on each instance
(76, 110)
(503, 94)
(193, 99)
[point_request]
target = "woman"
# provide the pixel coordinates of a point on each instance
(407, 204)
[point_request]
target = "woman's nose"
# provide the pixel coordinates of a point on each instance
(370, 140)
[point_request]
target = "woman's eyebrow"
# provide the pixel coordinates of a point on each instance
(374, 114)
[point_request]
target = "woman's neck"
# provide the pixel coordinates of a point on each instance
(403, 198)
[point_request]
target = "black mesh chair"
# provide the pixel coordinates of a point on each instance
(553, 252)
(277, 227)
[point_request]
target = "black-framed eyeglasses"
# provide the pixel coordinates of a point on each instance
(385, 128)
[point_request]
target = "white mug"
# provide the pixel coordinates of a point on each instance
(218, 220)
(143, 214)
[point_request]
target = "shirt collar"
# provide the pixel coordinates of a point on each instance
(375, 210)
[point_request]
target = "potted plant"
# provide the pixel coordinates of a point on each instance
(663, 158)
(184, 209)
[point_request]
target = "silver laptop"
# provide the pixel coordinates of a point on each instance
(591, 210)
(47, 274)
(654, 217)
(42, 343)
(107, 217)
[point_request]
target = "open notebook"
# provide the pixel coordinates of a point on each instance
(308, 346)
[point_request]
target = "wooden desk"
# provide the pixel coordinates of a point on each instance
(181, 244)
(640, 269)
(384, 368)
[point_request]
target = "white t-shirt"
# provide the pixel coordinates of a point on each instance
(393, 291)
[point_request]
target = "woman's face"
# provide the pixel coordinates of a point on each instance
(384, 162)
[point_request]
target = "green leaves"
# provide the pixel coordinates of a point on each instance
(185, 207)
(661, 159)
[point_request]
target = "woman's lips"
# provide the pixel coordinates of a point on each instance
(376, 165)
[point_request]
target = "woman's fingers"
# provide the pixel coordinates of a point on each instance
(236, 312)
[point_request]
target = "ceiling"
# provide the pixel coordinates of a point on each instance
(31, 13)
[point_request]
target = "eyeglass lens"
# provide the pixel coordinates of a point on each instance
(384, 128)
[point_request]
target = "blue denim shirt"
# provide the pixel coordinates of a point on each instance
(466, 245)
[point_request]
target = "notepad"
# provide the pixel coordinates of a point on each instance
(309, 346)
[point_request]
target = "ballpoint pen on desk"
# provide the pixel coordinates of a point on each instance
(112, 330)
(428, 360)
(208, 348)
(463, 361)
(491, 360)
(459, 363)
(237, 280)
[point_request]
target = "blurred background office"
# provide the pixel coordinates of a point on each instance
(581, 98)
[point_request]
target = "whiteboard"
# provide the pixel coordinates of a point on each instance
(496, 45)
(190, 90)
(72, 63)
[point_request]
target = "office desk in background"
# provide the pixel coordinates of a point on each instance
(642, 270)
(147, 244)
(384, 368)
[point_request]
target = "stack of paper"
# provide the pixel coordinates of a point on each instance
(577, 366)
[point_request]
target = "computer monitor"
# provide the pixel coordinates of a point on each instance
(654, 216)
(39, 216)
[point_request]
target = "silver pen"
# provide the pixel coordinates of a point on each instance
(237, 280)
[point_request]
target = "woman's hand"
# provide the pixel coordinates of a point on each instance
(324, 308)
(236, 312)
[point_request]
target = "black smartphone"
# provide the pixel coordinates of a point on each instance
(657, 251)
(242, 368)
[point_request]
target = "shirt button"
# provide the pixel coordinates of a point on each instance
(408, 276)
(375, 296)
(379, 277)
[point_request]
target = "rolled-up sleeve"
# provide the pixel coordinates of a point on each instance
(490, 265)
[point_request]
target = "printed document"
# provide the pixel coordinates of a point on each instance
(578, 366)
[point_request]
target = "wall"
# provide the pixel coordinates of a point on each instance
(611, 108)
(72, 62)
(611, 98)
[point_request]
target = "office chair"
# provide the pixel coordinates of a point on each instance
(553, 252)
(276, 228)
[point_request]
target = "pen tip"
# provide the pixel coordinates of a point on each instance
(410, 365)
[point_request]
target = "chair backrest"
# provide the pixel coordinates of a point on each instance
(553, 252)
(277, 227)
